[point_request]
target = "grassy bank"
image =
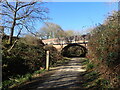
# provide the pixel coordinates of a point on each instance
(20, 79)
(91, 79)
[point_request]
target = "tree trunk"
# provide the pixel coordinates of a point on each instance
(12, 30)
(13, 26)
(11, 34)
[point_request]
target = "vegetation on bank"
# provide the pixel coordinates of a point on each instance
(27, 56)
(104, 49)
(92, 78)
(20, 79)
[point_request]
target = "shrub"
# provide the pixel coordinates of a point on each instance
(104, 46)
(90, 66)
(54, 54)
(104, 42)
(23, 58)
(102, 83)
(31, 40)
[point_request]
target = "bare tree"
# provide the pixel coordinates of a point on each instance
(18, 14)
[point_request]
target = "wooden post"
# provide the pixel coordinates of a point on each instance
(47, 60)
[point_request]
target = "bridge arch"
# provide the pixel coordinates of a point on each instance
(74, 50)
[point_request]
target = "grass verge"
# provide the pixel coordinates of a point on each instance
(93, 79)
(18, 80)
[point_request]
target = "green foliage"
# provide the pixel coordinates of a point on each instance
(92, 78)
(98, 84)
(19, 79)
(104, 45)
(102, 83)
(54, 54)
(39, 71)
(86, 61)
(31, 40)
(23, 59)
(92, 74)
(90, 66)
(26, 57)
(104, 42)
(74, 50)
(6, 83)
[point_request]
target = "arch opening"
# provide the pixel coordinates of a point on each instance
(74, 50)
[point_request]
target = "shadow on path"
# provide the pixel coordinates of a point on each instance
(61, 77)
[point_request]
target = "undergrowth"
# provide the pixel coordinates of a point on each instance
(19, 79)
(104, 49)
(28, 56)
(92, 78)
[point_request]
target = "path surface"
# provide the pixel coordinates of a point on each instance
(64, 76)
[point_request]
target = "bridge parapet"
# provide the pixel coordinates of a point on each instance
(59, 45)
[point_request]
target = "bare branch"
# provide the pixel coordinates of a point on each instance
(25, 15)
(10, 6)
(6, 15)
(29, 30)
(32, 3)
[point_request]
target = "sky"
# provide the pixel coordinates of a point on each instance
(78, 16)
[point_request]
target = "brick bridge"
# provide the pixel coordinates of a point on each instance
(59, 45)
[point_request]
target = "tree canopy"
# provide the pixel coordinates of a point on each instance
(51, 30)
